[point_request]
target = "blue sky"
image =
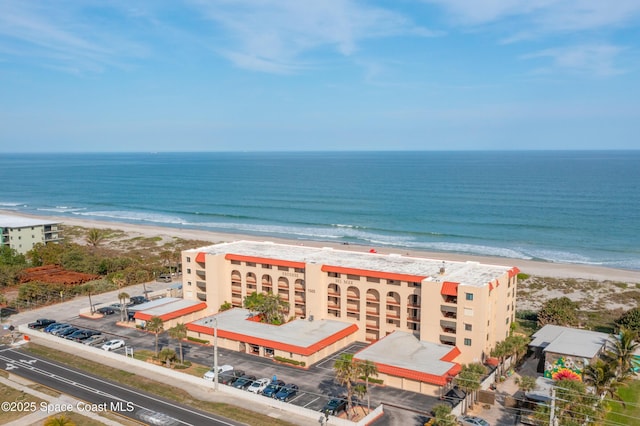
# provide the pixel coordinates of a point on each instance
(318, 75)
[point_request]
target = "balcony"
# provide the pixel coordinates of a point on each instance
(237, 284)
(392, 302)
(299, 287)
(448, 340)
(450, 299)
(352, 307)
(201, 285)
(201, 296)
(202, 274)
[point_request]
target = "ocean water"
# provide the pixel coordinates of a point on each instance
(557, 206)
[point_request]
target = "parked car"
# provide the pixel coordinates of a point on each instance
(165, 278)
(259, 385)
(137, 300)
(66, 331)
(244, 381)
(106, 310)
(229, 377)
(116, 306)
(56, 325)
(472, 421)
(40, 324)
(273, 388)
(94, 340)
(113, 345)
(81, 335)
(210, 375)
(287, 392)
(56, 331)
(7, 311)
(335, 406)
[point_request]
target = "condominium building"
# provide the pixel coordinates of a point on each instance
(466, 305)
(23, 233)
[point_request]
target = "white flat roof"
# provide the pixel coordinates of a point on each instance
(569, 341)
(152, 304)
(404, 350)
(8, 221)
(302, 333)
(466, 273)
(166, 308)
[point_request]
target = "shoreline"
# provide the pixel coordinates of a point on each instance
(530, 267)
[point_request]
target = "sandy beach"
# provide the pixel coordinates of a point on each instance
(542, 269)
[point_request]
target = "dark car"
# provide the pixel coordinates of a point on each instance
(228, 377)
(106, 310)
(335, 406)
(81, 335)
(244, 381)
(7, 311)
(56, 325)
(67, 331)
(57, 330)
(287, 392)
(137, 300)
(40, 323)
(273, 388)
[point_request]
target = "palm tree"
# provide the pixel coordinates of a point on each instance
(602, 376)
(61, 420)
(442, 415)
(89, 288)
(518, 345)
(526, 383)
(346, 374)
(469, 380)
(156, 326)
(501, 351)
(179, 332)
(95, 237)
(367, 369)
(622, 349)
(122, 297)
(167, 355)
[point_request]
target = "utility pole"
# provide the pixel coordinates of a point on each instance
(215, 353)
(552, 408)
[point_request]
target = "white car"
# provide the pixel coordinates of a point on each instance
(210, 375)
(113, 344)
(473, 421)
(259, 385)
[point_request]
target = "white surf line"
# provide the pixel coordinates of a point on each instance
(151, 397)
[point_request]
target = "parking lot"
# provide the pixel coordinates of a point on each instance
(317, 384)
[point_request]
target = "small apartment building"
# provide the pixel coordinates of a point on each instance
(22, 233)
(466, 305)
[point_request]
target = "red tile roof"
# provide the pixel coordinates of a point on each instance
(449, 288)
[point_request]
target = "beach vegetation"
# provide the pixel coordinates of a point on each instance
(630, 320)
(95, 236)
(559, 311)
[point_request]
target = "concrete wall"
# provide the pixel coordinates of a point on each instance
(196, 386)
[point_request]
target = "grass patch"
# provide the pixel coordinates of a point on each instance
(77, 419)
(10, 394)
(156, 388)
(631, 396)
(45, 390)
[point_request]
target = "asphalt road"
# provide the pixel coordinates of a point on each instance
(103, 395)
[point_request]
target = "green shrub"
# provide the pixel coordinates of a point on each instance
(196, 340)
(289, 361)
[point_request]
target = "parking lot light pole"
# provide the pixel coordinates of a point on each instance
(215, 353)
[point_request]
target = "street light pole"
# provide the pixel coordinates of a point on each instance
(215, 353)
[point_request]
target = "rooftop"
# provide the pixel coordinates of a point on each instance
(569, 341)
(404, 352)
(167, 308)
(8, 221)
(300, 334)
(466, 273)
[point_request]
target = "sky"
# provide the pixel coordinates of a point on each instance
(296, 75)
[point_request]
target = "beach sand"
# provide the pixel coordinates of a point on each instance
(537, 268)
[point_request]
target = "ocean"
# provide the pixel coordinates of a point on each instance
(579, 207)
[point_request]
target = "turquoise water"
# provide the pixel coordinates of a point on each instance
(561, 206)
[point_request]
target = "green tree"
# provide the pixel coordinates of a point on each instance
(167, 355)
(156, 326)
(526, 383)
(225, 306)
(122, 297)
(575, 405)
(442, 415)
(601, 375)
(347, 373)
(10, 257)
(559, 311)
(630, 320)
(621, 352)
(501, 351)
(60, 420)
(367, 369)
(179, 332)
(518, 346)
(271, 307)
(95, 237)
(469, 380)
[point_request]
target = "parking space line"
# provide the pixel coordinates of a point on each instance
(311, 402)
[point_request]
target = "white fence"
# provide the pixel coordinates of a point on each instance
(167, 375)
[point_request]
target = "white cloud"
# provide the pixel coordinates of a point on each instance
(597, 60)
(540, 17)
(273, 35)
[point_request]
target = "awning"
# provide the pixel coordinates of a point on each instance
(449, 288)
(200, 257)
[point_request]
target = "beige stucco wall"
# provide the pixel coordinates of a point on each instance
(377, 306)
